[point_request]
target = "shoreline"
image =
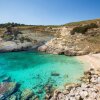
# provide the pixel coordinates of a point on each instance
(90, 61)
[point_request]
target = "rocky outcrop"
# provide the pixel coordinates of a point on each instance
(13, 46)
(89, 89)
(68, 45)
(9, 46)
(73, 45)
(14, 40)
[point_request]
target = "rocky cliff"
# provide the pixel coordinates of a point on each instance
(25, 38)
(77, 39)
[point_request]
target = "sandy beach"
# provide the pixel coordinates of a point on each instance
(90, 61)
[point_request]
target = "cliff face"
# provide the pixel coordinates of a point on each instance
(23, 39)
(75, 40)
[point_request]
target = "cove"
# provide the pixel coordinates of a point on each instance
(34, 70)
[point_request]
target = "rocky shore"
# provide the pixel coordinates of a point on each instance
(89, 89)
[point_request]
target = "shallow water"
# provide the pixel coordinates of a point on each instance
(34, 70)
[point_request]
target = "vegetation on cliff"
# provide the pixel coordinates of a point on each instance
(83, 22)
(83, 29)
(10, 34)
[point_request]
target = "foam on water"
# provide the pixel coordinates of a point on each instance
(33, 69)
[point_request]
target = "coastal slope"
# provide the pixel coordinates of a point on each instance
(75, 39)
(72, 39)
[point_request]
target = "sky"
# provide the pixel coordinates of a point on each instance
(48, 12)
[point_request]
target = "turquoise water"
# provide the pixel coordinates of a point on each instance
(33, 69)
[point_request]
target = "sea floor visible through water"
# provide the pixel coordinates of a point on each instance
(34, 70)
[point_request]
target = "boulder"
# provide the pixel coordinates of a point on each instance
(7, 79)
(84, 94)
(71, 85)
(42, 48)
(55, 74)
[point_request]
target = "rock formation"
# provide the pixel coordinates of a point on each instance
(73, 43)
(89, 89)
(14, 40)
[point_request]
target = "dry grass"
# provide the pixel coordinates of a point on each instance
(82, 22)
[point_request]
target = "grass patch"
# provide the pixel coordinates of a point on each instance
(82, 22)
(7, 37)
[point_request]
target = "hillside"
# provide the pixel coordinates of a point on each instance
(97, 21)
(76, 38)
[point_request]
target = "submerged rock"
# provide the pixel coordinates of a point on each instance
(7, 79)
(26, 94)
(18, 95)
(13, 97)
(6, 89)
(40, 92)
(55, 74)
(35, 97)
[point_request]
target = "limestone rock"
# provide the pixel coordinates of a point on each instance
(83, 91)
(42, 48)
(12, 46)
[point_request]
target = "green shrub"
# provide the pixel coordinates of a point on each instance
(22, 39)
(83, 29)
(27, 39)
(7, 37)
